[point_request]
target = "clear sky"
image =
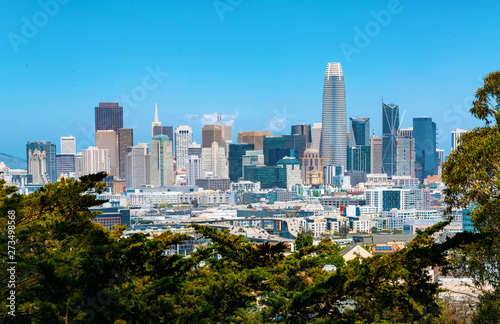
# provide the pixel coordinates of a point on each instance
(258, 63)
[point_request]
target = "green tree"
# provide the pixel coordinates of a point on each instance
(471, 174)
(344, 230)
(303, 240)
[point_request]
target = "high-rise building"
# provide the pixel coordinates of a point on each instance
(311, 167)
(358, 158)
(405, 157)
(359, 131)
(316, 135)
(296, 142)
(161, 161)
(65, 165)
(214, 161)
(293, 172)
(95, 160)
(376, 154)
(302, 129)
(193, 169)
(158, 129)
(424, 132)
(156, 122)
(274, 147)
(235, 159)
(41, 158)
(222, 134)
(254, 158)
(137, 164)
(68, 145)
(390, 130)
(255, 138)
(107, 139)
(194, 149)
(439, 160)
(455, 136)
(183, 137)
(125, 140)
(108, 116)
(333, 132)
(268, 176)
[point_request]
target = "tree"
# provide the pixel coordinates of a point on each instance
(344, 230)
(374, 230)
(472, 176)
(303, 240)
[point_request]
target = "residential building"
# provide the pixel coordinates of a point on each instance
(95, 160)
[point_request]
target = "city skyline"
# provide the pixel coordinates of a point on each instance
(53, 79)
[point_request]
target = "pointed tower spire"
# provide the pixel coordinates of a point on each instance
(156, 113)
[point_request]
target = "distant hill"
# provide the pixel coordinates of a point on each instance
(13, 162)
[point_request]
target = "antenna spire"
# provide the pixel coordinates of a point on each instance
(156, 113)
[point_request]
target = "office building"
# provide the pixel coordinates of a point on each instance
(424, 132)
(455, 136)
(65, 165)
(303, 130)
(222, 134)
(235, 159)
(333, 132)
(156, 123)
(125, 140)
(358, 158)
(214, 184)
(161, 161)
(194, 169)
(405, 157)
(108, 116)
(68, 145)
(359, 131)
(194, 149)
(138, 164)
(293, 173)
(157, 127)
(214, 161)
(311, 167)
(376, 154)
(268, 176)
(107, 139)
(183, 138)
(95, 160)
(255, 158)
(316, 135)
(439, 160)
(296, 142)
(255, 138)
(41, 162)
(390, 130)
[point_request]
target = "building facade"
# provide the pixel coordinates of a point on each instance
(390, 131)
(183, 138)
(424, 132)
(41, 161)
(108, 116)
(162, 161)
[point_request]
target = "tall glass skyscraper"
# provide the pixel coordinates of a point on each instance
(390, 130)
(424, 132)
(108, 116)
(333, 146)
(359, 131)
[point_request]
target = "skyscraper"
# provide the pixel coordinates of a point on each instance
(193, 169)
(214, 161)
(108, 116)
(125, 140)
(301, 129)
(137, 163)
(390, 130)
(106, 139)
(68, 145)
(222, 134)
(316, 135)
(424, 132)
(333, 147)
(405, 159)
(158, 129)
(162, 161)
(236, 152)
(359, 131)
(183, 137)
(455, 136)
(41, 158)
(376, 154)
(255, 138)
(95, 160)
(156, 122)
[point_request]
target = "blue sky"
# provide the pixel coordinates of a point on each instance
(258, 63)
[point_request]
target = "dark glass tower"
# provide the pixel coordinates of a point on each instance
(302, 130)
(333, 132)
(359, 131)
(390, 130)
(108, 116)
(236, 152)
(424, 132)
